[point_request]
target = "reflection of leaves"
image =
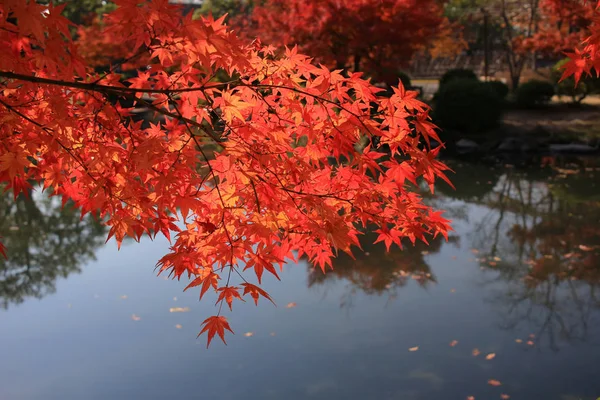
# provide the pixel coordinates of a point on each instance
(376, 271)
(44, 242)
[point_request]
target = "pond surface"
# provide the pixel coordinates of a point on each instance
(509, 306)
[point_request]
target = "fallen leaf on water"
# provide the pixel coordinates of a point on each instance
(497, 259)
(414, 348)
(291, 305)
(504, 396)
(470, 397)
(518, 340)
(179, 309)
(476, 352)
(585, 248)
(493, 263)
(453, 343)
(494, 382)
(178, 326)
(249, 334)
(490, 356)
(124, 297)
(529, 342)
(135, 317)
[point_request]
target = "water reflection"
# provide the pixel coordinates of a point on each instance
(375, 271)
(541, 235)
(44, 242)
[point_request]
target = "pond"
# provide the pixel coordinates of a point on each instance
(509, 307)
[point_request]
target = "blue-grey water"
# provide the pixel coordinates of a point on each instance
(519, 279)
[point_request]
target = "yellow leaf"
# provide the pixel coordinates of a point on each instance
(414, 348)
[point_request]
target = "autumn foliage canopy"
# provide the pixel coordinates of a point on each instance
(377, 37)
(240, 175)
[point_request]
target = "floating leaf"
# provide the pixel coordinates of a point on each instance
(414, 348)
(179, 309)
(518, 340)
(453, 343)
(135, 317)
(490, 356)
(476, 352)
(249, 334)
(291, 305)
(494, 382)
(504, 396)
(178, 326)
(583, 247)
(530, 343)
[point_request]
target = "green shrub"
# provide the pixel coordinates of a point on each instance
(457, 73)
(534, 93)
(499, 87)
(587, 85)
(467, 105)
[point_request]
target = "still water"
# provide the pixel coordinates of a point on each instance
(509, 306)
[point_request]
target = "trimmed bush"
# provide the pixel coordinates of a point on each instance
(468, 106)
(534, 93)
(587, 84)
(457, 73)
(500, 88)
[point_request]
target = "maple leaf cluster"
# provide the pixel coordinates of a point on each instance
(586, 57)
(241, 176)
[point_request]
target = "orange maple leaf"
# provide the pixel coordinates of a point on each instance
(215, 325)
(228, 293)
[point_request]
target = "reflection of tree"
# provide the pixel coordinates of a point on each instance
(375, 271)
(472, 181)
(44, 242)
(543, 239)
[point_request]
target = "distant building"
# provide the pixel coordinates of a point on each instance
(188, 5)
(187, 2)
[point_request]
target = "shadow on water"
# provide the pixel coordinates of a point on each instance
(44, 241)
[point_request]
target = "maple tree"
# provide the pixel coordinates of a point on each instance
(375, 37)
(561, 27)
(240, 176)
